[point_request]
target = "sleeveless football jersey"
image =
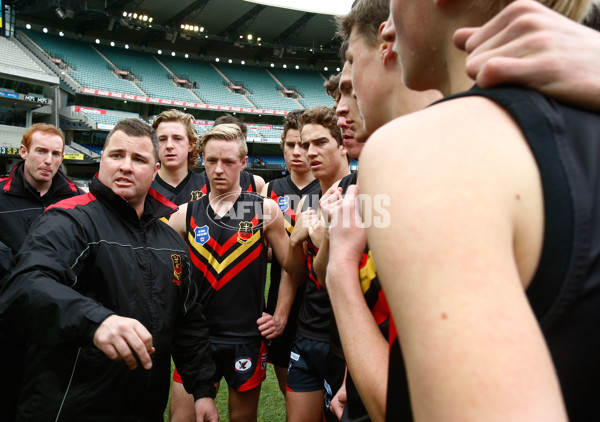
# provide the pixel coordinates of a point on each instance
(229, 258)
(315, 313)
(565, 291)
(193, 187)
(287, 196)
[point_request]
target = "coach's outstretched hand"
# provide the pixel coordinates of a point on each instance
(118, 337)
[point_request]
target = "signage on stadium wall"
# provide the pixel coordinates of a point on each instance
(37, 99)
(25, 97)
(90, 110)
(182, 103)
(9, 151)
(73, 156)
(9, 95)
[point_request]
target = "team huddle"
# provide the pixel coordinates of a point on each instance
(476, 296)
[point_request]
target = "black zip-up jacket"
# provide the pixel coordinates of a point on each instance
(21, 204)
(86, 258)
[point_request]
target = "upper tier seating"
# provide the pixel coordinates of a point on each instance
(211, 87)
(13, 56)
(154, 79)
(308, 84)
(263, 88)
(85, 64)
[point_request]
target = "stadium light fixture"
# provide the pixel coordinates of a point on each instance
(112, 43)
(28, 26)
(285, 66)
(182, 26)
(60, 13)
(61, 34)
(217, 60)
(297, 67)
(259, 39)
(124, 14)
(272, 64)
(45, 30)
(97, 41)
(187, 55)
(173, 53)
(230, 61)
(243, 62)
(126, 46)
(201, 29)
(150, 20)
(135, 15)
(337, 69)
(325, 68)
(249, 37)
(159, 51)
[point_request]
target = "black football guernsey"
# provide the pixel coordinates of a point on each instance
(229, 259)
(315, 313)
(355, 410)
(287, 196)
(565, 291)
(193, 187)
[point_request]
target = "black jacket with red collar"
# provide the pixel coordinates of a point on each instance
(86, 258)
(21, 204)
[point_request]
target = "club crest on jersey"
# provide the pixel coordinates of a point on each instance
(284, 203)
(245, 231)
(243, 365)
(196, 194)
(201, 235)
(176, 268)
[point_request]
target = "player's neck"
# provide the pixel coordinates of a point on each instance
(343, 170)
(173, 176)
(301, 180)
(222, 200)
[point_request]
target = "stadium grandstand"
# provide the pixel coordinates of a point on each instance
(85, 65)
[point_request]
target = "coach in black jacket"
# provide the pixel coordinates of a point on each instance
(101, 279)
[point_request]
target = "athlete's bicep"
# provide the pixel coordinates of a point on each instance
(177, 220)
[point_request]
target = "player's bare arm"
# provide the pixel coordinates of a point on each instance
(177, 220)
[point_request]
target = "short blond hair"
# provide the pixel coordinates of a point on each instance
(226, 132)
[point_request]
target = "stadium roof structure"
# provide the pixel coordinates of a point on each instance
(208, 28)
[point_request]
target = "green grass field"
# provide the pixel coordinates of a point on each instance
(271, 406)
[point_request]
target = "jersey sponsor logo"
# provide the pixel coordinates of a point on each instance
(243, 365)
(294, 356)
(196, 194)
(284, 203)
(245, 232)
(201, 235)
(176, 268)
